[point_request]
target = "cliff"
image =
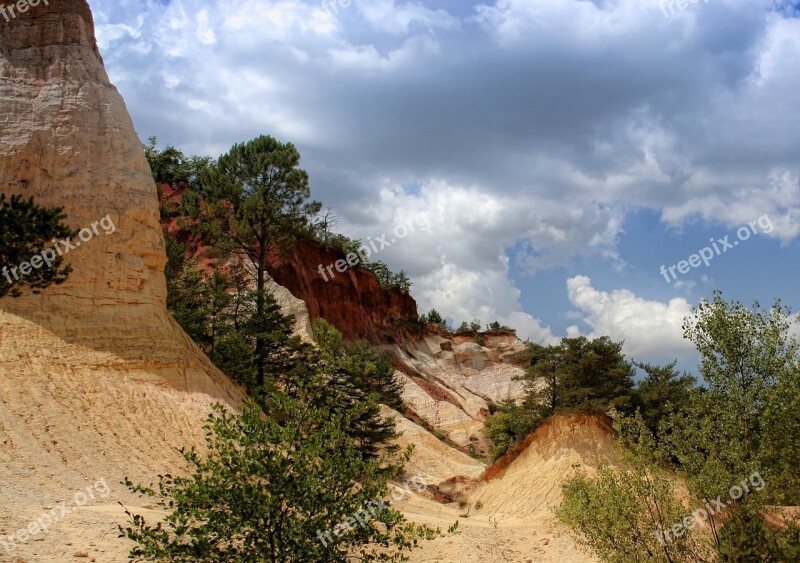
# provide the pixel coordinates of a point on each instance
(353, 301)
(67, 140)
(96, 379)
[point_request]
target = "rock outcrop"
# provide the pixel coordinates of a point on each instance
(66, 138)
(96, 379)
(353, 301)
(450, 381)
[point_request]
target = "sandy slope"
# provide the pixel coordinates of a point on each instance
(67, 432)
(510, 517)
(480, 539)
(527, 489)
(71, 416)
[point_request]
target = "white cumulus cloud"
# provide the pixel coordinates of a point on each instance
(649, 328)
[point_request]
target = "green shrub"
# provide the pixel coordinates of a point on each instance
(275, 489)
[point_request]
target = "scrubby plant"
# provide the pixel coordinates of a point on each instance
(287, 488)
(742, 423)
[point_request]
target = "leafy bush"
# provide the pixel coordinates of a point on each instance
(171, 166)
(276, 489)
(509, 424)
(495, 326)
(742, 423)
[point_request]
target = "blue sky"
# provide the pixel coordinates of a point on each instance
(562, 151)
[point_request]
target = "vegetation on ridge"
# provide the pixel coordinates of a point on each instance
(213, 188)
(577, 375)
(733, 443)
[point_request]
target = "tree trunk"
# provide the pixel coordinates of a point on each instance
(260, 344)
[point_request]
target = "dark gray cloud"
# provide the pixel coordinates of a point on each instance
(518, 120)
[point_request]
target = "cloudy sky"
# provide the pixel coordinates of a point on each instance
(559, 152)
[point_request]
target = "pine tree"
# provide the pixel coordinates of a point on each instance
(26, 232)
(402, 281)
(257, 199)
(362, 374)
(662, 392)
(434, 317)
(187, 300)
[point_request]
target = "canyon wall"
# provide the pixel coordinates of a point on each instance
(353, 301)
(96, 379)
(67, 140)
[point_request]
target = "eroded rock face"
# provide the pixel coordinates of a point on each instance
(66, 139)
(96, 379)
(353, 301)
(449, 382)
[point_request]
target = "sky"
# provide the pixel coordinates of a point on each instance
(543, 163)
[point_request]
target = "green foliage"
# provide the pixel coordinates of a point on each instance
(350, 246)
(509, 424)
(474, 326)
(495, 326)
(578, 375)
(360, 373)
(387, 278)
(743, 423)
(202, 304)
(322, 230)
(220, 314)
(617, 514)
(272, 489)
(662, 393)
(262, 182)
(171, 166)
(746, 537)
(235, 356)
(402, 282)
(26, 230)
(589, 375)
(381, 271)
(746, 420)
(256, 196)
(434, 317)
(622, 514)
(187, 295)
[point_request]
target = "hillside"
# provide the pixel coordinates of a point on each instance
(509, 517)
